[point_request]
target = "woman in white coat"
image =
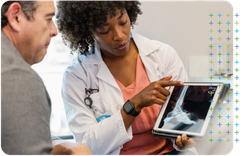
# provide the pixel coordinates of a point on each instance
(114, 89)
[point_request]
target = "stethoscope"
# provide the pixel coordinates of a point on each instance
(88, 100)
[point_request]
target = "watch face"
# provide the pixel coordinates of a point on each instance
(128, 107)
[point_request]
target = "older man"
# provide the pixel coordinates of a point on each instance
(27, 29)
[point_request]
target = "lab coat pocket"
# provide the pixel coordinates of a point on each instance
(98, 106)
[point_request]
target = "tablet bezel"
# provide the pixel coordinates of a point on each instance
(163, 132)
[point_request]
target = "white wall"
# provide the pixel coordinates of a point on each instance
(185, 26)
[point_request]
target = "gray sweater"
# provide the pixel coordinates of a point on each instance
(25, 105)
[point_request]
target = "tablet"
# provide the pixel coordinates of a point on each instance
(187, 109)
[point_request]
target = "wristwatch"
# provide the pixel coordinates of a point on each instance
(129, 108)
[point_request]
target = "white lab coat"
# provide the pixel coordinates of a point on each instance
(108, 136)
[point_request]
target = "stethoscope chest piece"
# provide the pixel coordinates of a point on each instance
(88, 101)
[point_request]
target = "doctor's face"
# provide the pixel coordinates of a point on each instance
(114, 38)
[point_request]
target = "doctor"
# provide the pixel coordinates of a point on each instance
(114, 90)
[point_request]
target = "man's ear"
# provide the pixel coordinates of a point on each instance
(14, 16)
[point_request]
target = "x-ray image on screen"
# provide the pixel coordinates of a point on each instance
(187, 108)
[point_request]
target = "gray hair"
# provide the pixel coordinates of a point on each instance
(28, 8)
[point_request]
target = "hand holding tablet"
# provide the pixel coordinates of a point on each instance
(184, 142)
(186, 110)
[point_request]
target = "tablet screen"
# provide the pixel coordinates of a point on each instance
(187, 108)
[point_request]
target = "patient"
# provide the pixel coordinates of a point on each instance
(26, 31)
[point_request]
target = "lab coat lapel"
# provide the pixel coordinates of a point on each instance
(151, 69)
(146, 49)
(104, 73)
(105, 79)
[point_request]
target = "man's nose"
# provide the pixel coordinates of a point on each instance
(53, 31)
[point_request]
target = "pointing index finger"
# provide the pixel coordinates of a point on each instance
(171, 83)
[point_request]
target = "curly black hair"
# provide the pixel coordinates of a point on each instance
(76, 20)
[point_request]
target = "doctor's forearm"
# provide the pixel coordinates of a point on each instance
(127, 119)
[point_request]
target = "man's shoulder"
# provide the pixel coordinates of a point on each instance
(17, 71)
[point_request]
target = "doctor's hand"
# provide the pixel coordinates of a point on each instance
(154, 93)
(184, 142)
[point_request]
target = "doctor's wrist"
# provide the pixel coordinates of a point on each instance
(136, 104)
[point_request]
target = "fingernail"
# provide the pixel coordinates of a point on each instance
(181, 83)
